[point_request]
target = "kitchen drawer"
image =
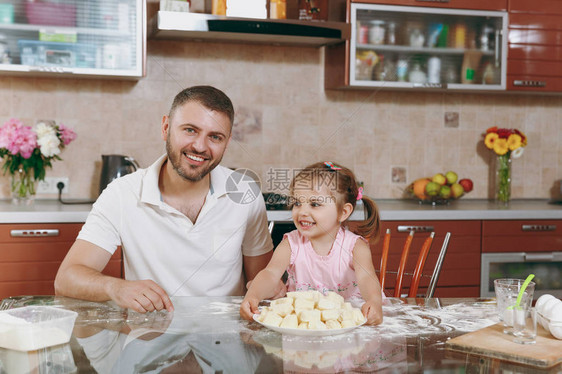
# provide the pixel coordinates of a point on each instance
(535, 68)
(44, 271)
(535, 21)
(21, 252)
(536, 6)
(534, 83)
(535, 37)
(452, 4)
(522, 236)
(534, 52)
(39, 232)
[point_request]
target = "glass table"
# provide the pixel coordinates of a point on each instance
(207, 335)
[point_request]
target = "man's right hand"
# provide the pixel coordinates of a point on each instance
(142, 296)
(248, 308)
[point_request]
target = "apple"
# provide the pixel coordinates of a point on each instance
(457, 190)
(439, 179)
(466, 184)
(445, 192)
(432, 188)
(452, 177)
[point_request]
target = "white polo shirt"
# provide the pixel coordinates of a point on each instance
(162, 244)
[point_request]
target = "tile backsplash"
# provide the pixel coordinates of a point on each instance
(285, 119)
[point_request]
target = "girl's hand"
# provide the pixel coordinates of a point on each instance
(248, 308)
(373, 312)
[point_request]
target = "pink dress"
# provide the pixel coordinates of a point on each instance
(309, 271)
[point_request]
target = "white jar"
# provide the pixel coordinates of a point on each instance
(434, 70)
(416, 74)
(376, 32)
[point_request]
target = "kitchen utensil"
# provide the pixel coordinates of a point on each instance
(507, 291)
(115, 166)
(523, 287)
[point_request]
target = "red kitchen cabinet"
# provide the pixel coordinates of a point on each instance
(32, 253)
(453, 4)
(534, 60)
(522, 236)
(460, 273)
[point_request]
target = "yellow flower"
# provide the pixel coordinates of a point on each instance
(491, 139)
(500, 146)
(514, 142)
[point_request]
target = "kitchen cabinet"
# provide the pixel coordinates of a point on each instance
(534, 48)
(31, 254)
(460, 272)
(453, 4)
(73, 38)
(407, 47)
(517, 248)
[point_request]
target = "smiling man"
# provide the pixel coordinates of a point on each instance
(180, 232)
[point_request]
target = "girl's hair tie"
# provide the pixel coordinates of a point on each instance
(331, 165)
(359, 193)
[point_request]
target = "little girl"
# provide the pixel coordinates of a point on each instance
(322, 254)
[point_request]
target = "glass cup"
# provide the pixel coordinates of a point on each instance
(507, 290)
(524, 324)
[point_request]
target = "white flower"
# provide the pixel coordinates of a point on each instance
(42, 129)
(517, 152)
(49, 145)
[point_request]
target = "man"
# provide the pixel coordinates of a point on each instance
(180, 232)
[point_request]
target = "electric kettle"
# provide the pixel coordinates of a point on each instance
(115, 166)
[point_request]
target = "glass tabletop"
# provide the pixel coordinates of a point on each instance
(206, 334)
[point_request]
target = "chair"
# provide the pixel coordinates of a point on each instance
(417, 274)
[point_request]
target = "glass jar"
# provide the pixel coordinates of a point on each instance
(416, 75)
(376, 32)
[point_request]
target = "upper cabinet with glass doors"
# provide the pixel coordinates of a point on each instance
(404, 47)
(79, 38)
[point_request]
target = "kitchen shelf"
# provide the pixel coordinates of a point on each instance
(427, 50)
(196, 26)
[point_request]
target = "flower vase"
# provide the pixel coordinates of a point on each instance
(23, 187)
(503, 179)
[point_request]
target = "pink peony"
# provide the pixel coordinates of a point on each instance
(9, 131)
(23, 142)
(66, 134)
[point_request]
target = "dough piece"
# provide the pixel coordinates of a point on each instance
(326, 303)
(290, 321)
(346, 315)
(333, 324)
(327, 360)
(316, 324)
(309, 316)
(336, 297)
(347, 306)
(358, 316)
(303, 325)
(283, 309)
(347, 323)
(272, 319)
(304, 304)
(263, 313)
(283, 300)
(293, 294)
(331, 314)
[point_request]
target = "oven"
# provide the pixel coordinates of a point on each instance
(547, 267)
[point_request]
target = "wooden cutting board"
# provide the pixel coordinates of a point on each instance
(492, 342)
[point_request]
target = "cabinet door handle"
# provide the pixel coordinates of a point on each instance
(529, 83)
(539, 256)
(430, 85)
(33, 233)
(415, 228)
(538, 227)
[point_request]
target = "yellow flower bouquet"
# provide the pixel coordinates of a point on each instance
(507, 144)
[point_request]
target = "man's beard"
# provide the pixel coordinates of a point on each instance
(189, 174)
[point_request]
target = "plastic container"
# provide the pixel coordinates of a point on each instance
(35, 327)
(38, 53)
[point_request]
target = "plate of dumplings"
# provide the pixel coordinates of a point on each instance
(310, 313)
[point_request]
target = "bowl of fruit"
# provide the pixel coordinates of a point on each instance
(440, 189)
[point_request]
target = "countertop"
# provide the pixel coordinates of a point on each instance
(51, 211)
(207, 333)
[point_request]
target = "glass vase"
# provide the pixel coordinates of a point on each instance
(23, 187)
(503, 179)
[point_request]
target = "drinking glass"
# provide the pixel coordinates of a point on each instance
(524, 324)
(507, 290)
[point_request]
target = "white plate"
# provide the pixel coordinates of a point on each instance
(303, 332)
